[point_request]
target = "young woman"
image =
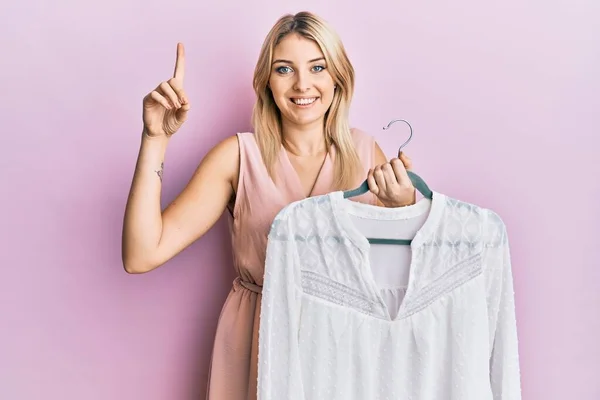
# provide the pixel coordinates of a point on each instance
(301, 146)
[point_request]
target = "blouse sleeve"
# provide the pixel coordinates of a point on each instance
(504, 356)
(279, 375)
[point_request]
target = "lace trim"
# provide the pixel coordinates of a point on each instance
(459, 274)
(335, 292)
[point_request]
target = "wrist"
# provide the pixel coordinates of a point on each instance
(154, 140)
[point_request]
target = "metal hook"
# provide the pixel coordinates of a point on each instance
(409, 126)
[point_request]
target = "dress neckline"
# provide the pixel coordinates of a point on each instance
(322, 182)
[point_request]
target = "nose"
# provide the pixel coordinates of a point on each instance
(302, 83)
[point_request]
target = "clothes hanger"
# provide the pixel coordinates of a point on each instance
(416, 180)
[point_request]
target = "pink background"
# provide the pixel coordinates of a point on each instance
(503, 99)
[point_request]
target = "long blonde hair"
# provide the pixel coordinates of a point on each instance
(266, 117)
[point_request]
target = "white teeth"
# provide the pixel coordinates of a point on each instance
(304, 102)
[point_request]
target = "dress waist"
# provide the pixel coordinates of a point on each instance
(253, 287)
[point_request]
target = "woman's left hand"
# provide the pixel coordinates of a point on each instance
(391, 184)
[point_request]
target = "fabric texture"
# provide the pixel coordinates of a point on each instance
(233, 370)
(328, 332)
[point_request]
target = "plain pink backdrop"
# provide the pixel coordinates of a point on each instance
(503, 97)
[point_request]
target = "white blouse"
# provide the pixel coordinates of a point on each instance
(345, 319)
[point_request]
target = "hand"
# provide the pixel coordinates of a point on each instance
(165, 108)
(391, 184)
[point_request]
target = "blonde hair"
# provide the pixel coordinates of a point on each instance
(266, 117)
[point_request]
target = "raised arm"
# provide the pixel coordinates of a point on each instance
(151, 237)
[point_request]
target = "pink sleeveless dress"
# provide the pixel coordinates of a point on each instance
(233, 371)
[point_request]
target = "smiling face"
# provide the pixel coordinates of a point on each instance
(301, 85)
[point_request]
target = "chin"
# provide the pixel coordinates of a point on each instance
(306, 119)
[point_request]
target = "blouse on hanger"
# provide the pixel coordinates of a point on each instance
(344, 319)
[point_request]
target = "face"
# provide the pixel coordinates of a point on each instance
(300, 82)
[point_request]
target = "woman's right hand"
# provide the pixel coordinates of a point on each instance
(165, 108)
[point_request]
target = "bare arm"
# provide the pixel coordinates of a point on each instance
(152, 237)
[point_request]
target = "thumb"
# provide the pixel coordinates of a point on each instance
(181, 113)
(405, 160)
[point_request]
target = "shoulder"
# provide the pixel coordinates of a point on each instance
(234, 144)
(484, 222)
(366, 143)
(223, 159)
(246, 137)
(227, 148)
(359, 136)
(495, 230)
(302, 217)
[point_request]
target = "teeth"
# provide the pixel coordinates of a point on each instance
(303, 102)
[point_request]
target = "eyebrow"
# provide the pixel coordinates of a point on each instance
(290, 62)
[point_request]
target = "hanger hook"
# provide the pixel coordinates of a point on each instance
(409, 137)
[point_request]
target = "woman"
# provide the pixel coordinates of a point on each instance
(301, 146)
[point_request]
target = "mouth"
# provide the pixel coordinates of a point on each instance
(303, 101)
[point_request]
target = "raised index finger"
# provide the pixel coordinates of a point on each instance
(179, 62)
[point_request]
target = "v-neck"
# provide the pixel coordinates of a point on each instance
(344, 208)
(322, 181)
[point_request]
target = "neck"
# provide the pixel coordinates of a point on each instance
(304, 140)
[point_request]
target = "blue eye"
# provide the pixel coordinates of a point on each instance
(321, 68)
(282, 70)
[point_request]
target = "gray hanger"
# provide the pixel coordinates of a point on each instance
(409, 137)
(416, 180)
